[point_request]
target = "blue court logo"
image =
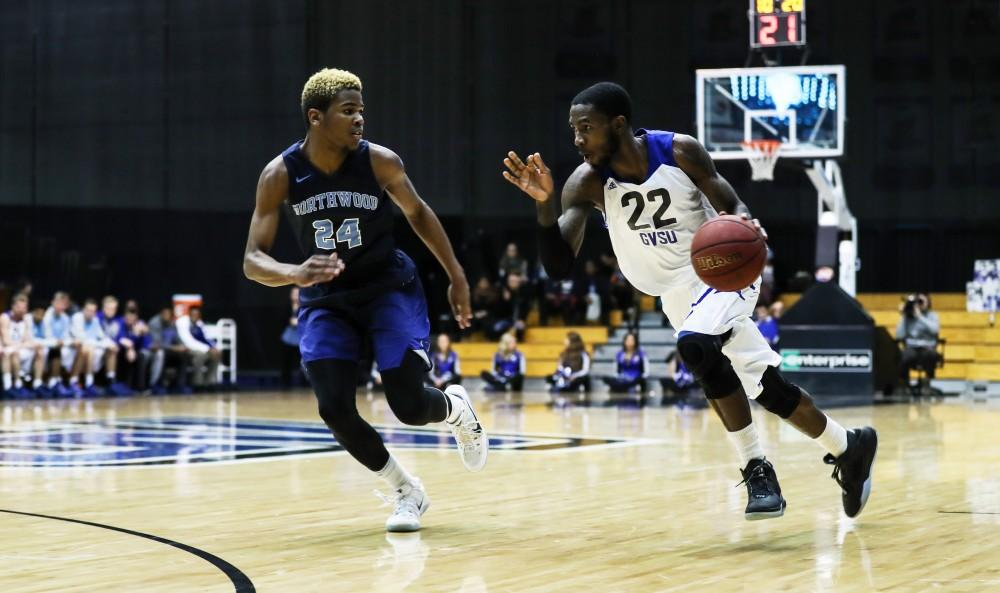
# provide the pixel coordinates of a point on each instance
(180, 440)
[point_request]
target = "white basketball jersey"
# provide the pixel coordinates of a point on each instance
(651, 224)
(19, 330)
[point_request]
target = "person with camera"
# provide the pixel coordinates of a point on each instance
(917, 331)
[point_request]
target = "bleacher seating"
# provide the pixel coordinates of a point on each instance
(972, 353)
(541, 348)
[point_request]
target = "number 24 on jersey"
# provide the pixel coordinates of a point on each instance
(349, 232)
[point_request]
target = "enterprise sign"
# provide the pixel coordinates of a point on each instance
(826, 361)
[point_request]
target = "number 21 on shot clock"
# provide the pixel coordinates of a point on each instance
(775, 23)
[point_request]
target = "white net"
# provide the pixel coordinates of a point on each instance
(762, 156)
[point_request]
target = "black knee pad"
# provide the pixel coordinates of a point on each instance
(404, 390)
(779, 396)
(702, 354)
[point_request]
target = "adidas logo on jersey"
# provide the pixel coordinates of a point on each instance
(611, 184)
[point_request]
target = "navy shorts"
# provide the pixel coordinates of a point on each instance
(396, 321)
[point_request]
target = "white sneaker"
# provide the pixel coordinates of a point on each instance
(473, 444)
(409, 502)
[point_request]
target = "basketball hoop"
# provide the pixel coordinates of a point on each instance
(762, 155)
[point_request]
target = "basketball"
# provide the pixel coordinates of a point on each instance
(728, 253)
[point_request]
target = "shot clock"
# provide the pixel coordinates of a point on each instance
(777, 23)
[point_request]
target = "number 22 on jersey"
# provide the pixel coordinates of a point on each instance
(658, 236)
(349, 232)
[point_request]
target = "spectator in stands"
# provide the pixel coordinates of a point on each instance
(168, 352)
(205, 357)
(22, 355)
(484, 300)
(509, 367)
(767, 325)
(573, 372)
(918, 330)
(101, 351)
(512, 263)
(290, 359)
(48, 388)
(66, 352)
(777, 309)
(511, 311)
(113, 325)
(632, 367)
(447, 369)
(679, 381)
(134, 354)
(623, 296)
(592, 295)
(560, 299)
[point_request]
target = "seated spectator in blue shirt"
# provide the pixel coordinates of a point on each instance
(573, 372)
(509, 367)
(113, 325)
(632, 367)
(679, 383)
(65, 354)
(205, 356)
(134, 354)
(100, 351)
(767, 325)
(168, 352)
(447, 370)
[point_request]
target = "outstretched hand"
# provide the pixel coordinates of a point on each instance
(533, 177)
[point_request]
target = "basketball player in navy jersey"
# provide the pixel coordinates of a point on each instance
(336, 188)
(655, 190)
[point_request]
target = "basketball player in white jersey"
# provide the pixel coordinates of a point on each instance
(655, 190)
(21, 352)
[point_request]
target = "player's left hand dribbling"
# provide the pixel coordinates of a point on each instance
(458, 296)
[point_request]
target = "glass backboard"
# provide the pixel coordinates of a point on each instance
(802, 106)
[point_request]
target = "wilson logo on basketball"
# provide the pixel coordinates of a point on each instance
(711, 262)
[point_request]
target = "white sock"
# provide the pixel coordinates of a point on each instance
(394, 474)
(36, 384)
(111, 376)
(833, 438)
(8, 381)
(18, 383)
(74, 380)
(747, 444)
(88, 380)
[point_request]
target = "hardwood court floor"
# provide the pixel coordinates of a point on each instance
(646, 503)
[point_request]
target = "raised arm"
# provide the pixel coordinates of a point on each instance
(559, 236)
(694, 160)
(391, 175)
(272, 190)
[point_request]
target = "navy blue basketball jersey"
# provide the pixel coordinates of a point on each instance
(348, 213)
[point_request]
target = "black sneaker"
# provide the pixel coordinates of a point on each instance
(763, 491)
(853, 469)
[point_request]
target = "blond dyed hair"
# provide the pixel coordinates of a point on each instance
(321, 88)
(508, 343)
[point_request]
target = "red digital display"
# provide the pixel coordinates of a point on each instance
(776, 23)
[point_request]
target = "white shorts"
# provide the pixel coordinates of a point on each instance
(26, 356)
(67, 354)
(695, 307)
(97, 357)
